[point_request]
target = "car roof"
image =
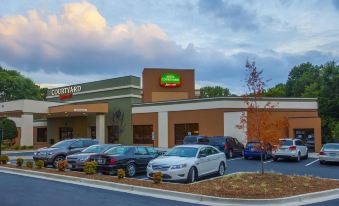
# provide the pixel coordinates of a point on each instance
(331, 144)
(287, 139)
(193, 145)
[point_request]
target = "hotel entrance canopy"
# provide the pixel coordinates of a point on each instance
(73, 110)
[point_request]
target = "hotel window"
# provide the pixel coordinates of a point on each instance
(182, 130)
(142, 134)
(41, 135)
(113, 134)
(65, 133)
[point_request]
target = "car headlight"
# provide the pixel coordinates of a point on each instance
(178, 166)
(83, 159)
(35, 153)
(50, 153)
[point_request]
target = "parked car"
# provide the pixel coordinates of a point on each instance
(253, 150)
(133, 159)
(230, 145)
(329, 153)
(77, 161)
(188, 163)
(59, 151)
(291, 149)
(196, 140)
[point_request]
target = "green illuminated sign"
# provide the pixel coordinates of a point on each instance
(170, 80)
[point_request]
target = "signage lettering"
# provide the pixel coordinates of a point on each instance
(170, 80)
(66, 92)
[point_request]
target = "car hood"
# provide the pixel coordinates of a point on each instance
(171, 160)
(49, 149)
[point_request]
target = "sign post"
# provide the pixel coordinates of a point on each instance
(153, 138)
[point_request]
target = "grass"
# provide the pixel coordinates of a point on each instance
(240, 185)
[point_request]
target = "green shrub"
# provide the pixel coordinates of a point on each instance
(39, 164)
(19, 162)
(90, 167)
(29, 164)
(16, 147)
(23, 147)
(4, 159)
(3, 147)
(30, 147)
(62, 165)
(157, 177)
(121, 173)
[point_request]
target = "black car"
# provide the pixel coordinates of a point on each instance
(196, 140)
(230, 145)
(133, 159)
(57, 152)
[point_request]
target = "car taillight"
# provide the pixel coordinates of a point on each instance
(112, 161)
(322, 153)
(225, 146)
(292, 148)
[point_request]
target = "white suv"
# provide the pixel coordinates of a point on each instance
(291, 149)
(188, 163)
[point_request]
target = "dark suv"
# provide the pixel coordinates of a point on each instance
(196, 140)
(230, 145)
(59, 151)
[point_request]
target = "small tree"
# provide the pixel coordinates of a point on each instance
(217, 91)
(257, 122)
(9, 130)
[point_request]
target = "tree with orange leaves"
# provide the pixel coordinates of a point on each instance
(256, 122)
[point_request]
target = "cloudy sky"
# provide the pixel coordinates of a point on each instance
(57, 42)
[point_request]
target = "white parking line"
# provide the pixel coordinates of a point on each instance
(268, 161)
(238, 158)
(312, 162)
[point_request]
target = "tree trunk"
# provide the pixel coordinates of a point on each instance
(262, 161)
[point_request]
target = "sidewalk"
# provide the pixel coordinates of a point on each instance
(17, 151)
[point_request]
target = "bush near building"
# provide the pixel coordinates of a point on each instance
(19, 162)
(4, 159)
(90, 167)
(39, 164)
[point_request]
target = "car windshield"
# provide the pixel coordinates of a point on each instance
(286, 143)
(63, 144)
(252, 144)
(182, 152)
(95, 149)
(331, 147)
(117, 151)
(190, 140)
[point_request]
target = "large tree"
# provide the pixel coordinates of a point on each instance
(318, 81)
(257, 121)
(15, 86)
(217, 91)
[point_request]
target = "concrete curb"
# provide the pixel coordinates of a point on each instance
(179, 196)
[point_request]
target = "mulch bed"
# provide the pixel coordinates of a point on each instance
(241, 185)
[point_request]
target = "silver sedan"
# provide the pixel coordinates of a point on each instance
(329, 153)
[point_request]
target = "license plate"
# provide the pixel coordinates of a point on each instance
(100, 161)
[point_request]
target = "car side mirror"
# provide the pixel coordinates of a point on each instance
(202, 155)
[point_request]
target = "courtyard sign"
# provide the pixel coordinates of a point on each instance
(170, 80)
(66, 92)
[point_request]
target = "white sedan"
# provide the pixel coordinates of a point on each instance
(188, 163)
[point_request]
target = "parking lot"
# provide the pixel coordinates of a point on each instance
(309, 167)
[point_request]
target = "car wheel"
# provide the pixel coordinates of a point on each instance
(221, 170)
(131, 169)
(230, 154)
(306, 156)
(322, 162)
(191, 177)
(57, 159)
(298, 157)
(275, 159)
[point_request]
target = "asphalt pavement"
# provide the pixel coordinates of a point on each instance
(18, 190)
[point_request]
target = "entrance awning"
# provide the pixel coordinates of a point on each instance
(73, 110)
